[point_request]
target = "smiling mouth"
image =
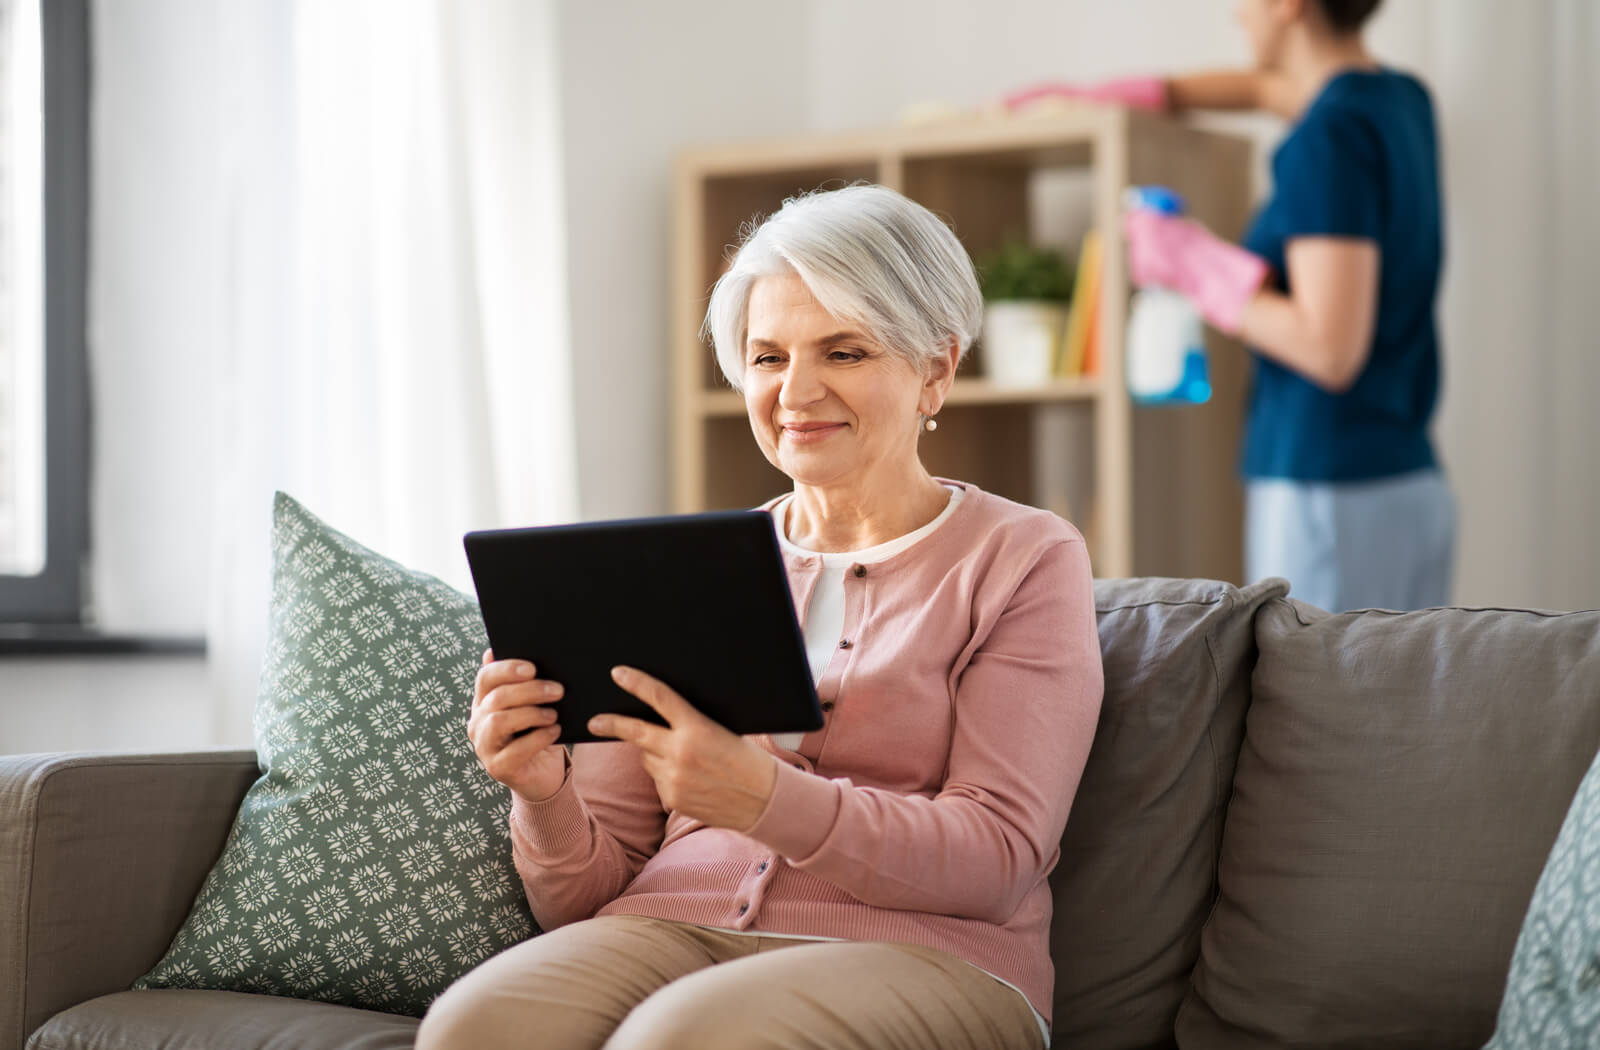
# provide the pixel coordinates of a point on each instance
(811, 431)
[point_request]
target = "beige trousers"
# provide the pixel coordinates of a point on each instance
(627, 983)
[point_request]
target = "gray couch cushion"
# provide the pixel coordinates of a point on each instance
(1138, 860)
(100, 857)
(1402, 779)
(175, 1019)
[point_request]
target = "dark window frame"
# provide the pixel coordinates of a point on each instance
(56, 595)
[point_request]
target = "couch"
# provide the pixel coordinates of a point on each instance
(1295, 829)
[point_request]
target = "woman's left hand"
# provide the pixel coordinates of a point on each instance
(1177, 253)
(701, 770)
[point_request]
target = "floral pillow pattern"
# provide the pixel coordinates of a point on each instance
(370, 865)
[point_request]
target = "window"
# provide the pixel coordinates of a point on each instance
(21, 301)
(44, 84)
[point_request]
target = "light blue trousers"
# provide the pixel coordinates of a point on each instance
(1384, 544)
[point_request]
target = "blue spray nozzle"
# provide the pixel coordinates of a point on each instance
(1156, 198)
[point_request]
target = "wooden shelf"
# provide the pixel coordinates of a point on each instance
(1153, 490)
(1062, 137)
(963, 391)
(983, 392)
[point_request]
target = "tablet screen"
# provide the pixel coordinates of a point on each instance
(700, 601)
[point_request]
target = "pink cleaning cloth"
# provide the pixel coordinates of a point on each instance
(1149, 93)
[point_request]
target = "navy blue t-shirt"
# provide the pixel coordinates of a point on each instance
(1361, 162)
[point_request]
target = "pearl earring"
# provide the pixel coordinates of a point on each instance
(930, 424)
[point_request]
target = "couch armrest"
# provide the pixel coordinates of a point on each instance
(101, 856)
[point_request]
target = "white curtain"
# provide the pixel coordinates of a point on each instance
(397, 355)
(1520, 104)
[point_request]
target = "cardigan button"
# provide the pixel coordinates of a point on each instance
(844, 643)
(743, 908)
(827, 705)
(860, 571)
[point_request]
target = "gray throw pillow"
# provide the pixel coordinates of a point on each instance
(1138, 868)
(370, 865)
(1400, 783)
(1552, 999)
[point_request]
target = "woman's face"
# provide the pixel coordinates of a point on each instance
(826, 402)
(1264, 23)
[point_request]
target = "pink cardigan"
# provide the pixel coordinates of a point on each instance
(928, 809)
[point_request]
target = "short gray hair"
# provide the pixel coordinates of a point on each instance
(871, 257)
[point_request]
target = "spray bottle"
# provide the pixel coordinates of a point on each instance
(1166, 350)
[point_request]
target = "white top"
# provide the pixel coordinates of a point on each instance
(824, 624)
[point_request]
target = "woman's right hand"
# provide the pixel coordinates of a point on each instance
(506, 700)
(1148, 93)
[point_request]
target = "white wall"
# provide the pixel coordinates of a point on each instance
(639, 80)
(1521, 102)
(103, 703)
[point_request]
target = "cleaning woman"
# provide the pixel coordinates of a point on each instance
(1334, 291)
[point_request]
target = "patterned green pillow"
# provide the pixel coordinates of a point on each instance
(371, 864)
(1552, 998)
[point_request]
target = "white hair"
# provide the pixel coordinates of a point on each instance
(870, 257)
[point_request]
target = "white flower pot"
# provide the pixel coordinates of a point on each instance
(1019, 341)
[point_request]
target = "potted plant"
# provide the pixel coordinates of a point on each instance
(1026, 290)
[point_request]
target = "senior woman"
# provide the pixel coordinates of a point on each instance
(879, 882)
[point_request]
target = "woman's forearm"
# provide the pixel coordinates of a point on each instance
(1221, 89)
(1324, 330)
(584, 874)
(577, 850)
(1276, 328)
(951, 855)
(1242, 89)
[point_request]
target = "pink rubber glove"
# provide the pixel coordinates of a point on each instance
(1218, 277)
(1135, 92)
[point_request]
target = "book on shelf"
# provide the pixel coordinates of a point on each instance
(1092, 341)
(1079, 352)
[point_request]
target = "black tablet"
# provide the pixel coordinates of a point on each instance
(700, 601)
